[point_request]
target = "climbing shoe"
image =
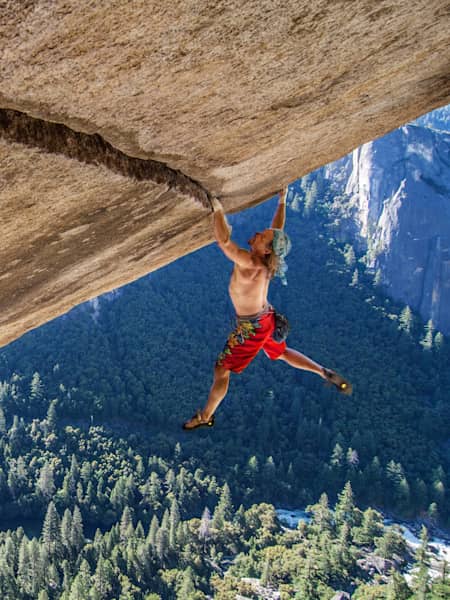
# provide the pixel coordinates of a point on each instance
(196, 422)
(333, 378)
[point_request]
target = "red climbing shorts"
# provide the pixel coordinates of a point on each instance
(250, 335)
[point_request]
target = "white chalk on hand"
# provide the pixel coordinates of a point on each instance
(216, 204)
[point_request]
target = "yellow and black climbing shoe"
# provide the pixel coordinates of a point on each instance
(196, 422)
(341, 384)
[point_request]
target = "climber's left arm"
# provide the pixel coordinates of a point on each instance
(279, 217)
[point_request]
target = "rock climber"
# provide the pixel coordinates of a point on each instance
(258, 325)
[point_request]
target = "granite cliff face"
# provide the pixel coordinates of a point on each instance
(120, 120)
(398, 196)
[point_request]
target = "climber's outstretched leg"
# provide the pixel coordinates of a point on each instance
(301, 361)
(217, 393)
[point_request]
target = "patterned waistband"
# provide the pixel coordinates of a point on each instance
(242, 318)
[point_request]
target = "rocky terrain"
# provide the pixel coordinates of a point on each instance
(396, 191)
(119, 121)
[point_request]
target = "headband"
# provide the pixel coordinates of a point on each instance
(281, 246)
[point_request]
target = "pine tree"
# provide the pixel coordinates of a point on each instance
(52, 577)
(355, 278)
(187, 587)
(86, 472)
(13, 483)
(66, 527)
(395, 475)
(36, 388)
(140, 468)
(349, 255)
(439, 341)
(266, 572)
(352, 458)
(139, 531)
(118, 495)
(2, 421)
(155, 490)
(307, 582)
(24, 572)
(252, 470)
(37, 566)
(80, 493)
(51, 533)
(427, 340)
(204, 532)
(322, 516)
(76, 534)
(45, 485)
(406, 320)
(378, 278)
(421, 577)
(79, 589)
(11, 553)
(16, 436)
(440, 589)
(170, 480)
(433, 512)
(152, 533)
(74, 469)
(165, 521)
(390, 543)
(52, 417)
(337, 456)
(173, 523)
(89, 498)
(397, 588)
(345, 510)
(177, 452)
(126, 524)
(103, 578)
(162, 543)
(371, 527)
(66, 575)
(224, 509)
(269, 473)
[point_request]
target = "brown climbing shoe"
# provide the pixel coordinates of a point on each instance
(342, 385)
(197, 422)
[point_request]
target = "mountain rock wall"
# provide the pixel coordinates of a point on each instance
(398, 194)
(120, 120)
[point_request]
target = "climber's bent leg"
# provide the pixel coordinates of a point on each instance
(219, 388)
(217, 392)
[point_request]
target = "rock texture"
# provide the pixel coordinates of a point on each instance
(397, 207)
(230, 99)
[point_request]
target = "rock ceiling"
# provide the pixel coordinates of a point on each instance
(120, 120)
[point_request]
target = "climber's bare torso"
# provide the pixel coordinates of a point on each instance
(250, 279)
(248, 289)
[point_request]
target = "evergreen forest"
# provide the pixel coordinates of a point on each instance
(103, 496)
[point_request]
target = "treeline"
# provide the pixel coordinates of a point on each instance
(105, 524)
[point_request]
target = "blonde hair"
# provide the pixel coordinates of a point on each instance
(271, 262)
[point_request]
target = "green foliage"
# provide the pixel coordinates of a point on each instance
(106, 453)
(427, 340)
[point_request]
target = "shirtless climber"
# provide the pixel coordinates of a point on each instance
(255, 318)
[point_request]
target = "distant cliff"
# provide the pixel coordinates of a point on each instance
(396, 209)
